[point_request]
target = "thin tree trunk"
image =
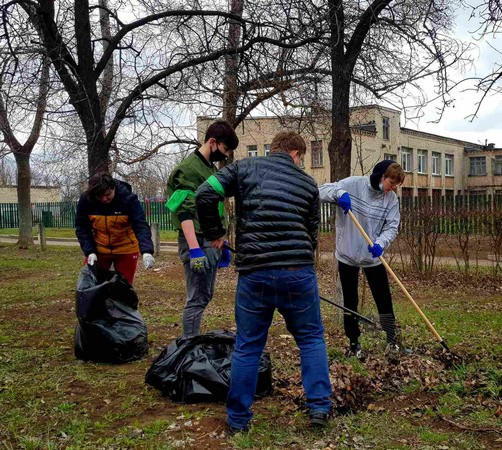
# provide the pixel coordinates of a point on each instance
(24, 199)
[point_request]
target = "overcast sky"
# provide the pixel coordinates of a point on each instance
(455, 122)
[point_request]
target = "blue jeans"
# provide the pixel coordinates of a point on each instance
(295, 294)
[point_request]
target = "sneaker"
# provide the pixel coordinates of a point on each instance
(232, 431)
(355, 350)
(394, 351)
(318, 419)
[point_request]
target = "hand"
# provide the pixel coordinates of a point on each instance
(198, 260)
(218, 243)
(225, 258)
(92, 258)
(344, 202)
(376, 250)
(148, 261)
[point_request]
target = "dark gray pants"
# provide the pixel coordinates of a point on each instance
(199, 286)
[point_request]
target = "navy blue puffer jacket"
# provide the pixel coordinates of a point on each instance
(277, 208)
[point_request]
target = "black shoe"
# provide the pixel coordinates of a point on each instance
(318, 419)
(232, 431)
(355, 350)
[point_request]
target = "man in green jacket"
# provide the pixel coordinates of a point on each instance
(199, 258)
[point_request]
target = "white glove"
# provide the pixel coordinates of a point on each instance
(91, 259)
(148, 261)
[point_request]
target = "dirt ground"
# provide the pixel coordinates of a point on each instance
(52, 400)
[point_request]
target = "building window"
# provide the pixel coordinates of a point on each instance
(407, 159)
(422, 161)
(316, 147)
(436, 163)
(390, 156)
(252, 150)
(448, 165)
(497, 165)
(386, 127)
(477, 166)
(266, 149)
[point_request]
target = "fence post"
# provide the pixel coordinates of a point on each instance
(156, 238)
(41, 236)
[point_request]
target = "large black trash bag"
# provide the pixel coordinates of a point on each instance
(110, 328)
(197, 369)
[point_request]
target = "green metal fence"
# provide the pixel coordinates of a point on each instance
(450, 214)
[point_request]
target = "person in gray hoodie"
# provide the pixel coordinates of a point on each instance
(374, 203)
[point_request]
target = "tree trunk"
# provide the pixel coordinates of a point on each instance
(340, 145)
(24, 199)
(98, 152)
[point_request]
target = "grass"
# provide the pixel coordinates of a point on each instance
(50, 400)
(165, 235)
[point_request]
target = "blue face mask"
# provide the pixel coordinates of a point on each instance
(380, 186)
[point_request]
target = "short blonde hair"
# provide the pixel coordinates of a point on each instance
(287, 141)
(395, 172)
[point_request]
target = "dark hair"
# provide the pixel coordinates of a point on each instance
(99, 183)
(287, 141)
(223, 132)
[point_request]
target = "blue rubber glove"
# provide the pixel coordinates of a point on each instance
(225, 258)
(344, 202)
(376, 250)
(198, 260)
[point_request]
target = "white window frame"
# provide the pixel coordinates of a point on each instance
(422, 161)
(436, 163)
(407, 159)
(266, 149)
(316, 153)
(449, 164)
(386, 128)
(252, 151)
(390, 156)
(476, 166)
(497, 165)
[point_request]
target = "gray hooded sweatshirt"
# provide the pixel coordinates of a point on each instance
(376, 211)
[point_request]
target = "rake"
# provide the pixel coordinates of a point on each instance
(405, 291)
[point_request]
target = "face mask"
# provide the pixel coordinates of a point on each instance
(217, 156)
(380, 186)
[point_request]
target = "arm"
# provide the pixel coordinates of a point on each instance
(140, 225)
(313, 220)
(331, 192)
(210, 193)
(390, 227)
(83, 228)
(182, 203)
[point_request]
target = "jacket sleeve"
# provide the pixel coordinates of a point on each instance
(83, 227)
(331, 192)
(140, 225)
(314, 219)
(181, 184)
(390, 227)
(210, 193)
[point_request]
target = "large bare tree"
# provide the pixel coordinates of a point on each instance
(24, 88)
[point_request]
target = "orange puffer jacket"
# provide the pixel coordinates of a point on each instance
(118, 227)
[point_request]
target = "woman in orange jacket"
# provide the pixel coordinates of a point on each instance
(111, 226)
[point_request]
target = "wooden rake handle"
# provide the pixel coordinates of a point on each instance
(398, 281)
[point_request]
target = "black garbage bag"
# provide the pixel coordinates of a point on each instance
(197, 369)
(110, 328)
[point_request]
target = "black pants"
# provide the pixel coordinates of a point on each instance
(379, 285)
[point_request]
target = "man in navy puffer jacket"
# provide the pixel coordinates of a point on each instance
(277, 208)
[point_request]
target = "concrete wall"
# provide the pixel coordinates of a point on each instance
(8, 194)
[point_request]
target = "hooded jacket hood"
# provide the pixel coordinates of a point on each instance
(378, 172)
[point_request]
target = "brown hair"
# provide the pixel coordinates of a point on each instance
(395, 172)
(287, 141)
(99, 183)
(223, 132)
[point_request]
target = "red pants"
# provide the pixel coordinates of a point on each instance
(125, 264)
